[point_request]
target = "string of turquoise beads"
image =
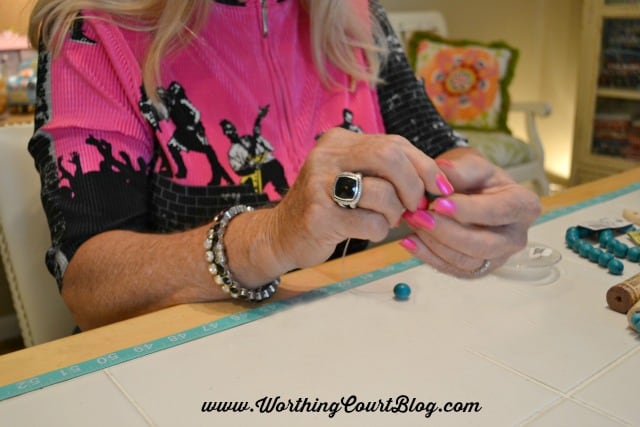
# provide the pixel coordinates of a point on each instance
(608, 255)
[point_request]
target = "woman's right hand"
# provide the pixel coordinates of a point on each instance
(102, 281)
(308, 224)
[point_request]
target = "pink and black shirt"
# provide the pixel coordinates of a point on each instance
(242, 107)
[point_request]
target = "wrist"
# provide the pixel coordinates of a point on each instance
(217, 259)
(253, 252)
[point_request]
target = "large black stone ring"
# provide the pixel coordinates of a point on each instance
(347, 189)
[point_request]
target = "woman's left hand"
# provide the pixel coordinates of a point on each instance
(481, 225)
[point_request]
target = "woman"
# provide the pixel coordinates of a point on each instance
(159, 123)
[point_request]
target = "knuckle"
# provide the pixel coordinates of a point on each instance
(486, 252)
(332, 133)
(384, 195)
(378, 228)
(379, 234)
(535, 207)
(396, 139)
(529, 207)
(391, 154)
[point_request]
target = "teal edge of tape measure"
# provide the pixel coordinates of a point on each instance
(228, 322)
(231, 321)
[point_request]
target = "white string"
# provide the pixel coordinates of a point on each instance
(342, 262)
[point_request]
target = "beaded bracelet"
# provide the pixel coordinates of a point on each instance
(216, 257)
(609, 254)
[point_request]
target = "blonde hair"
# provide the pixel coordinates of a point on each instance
(338, 31)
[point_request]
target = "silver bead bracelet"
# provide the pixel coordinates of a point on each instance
(217, 259)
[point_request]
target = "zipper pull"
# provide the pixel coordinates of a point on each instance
(265, 24)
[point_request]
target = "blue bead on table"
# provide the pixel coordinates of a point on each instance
(401, 291)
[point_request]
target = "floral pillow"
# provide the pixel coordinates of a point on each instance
(467, 81)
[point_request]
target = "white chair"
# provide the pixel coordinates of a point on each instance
(405, 23)
(528, 165)
(24, 239)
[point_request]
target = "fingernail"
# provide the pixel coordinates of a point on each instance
(408, 244)
(444, 162)
(443, 184)
(424, 203)
(421, 219)
(408, 217)
(444, 207)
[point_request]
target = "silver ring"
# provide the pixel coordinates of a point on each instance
(347, 189)
(486, 264)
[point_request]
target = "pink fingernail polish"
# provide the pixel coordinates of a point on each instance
(408, 244)
(424, 220)
(444, 185)
(444, 162)
(408, 217)
(444, 207)
(419, 219)
(424, 203)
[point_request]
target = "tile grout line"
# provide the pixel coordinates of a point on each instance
(546, 409)
(600, 411)
(130, 398)
(603, 371)
(542, 411)
(569, 395)
(519, 373)
(559, 395)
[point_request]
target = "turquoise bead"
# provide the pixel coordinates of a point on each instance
(635, 320)
(583, 232)
(584, 249)
(611, 245)
(576, 245)
(571, 235)
(604, 237)
(633, 254)
(595, 253)
(615, 267)
(572, 232)
(571, 240)
(604, 259)
(402, 291)
(620, 249)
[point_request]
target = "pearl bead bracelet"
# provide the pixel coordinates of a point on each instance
(217, 259)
